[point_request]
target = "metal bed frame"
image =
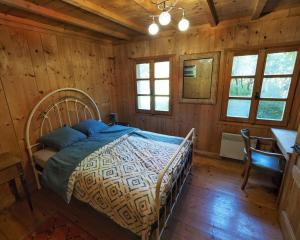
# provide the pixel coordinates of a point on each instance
(84, 107)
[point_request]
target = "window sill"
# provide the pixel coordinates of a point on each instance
(248, 124)
(164, 115)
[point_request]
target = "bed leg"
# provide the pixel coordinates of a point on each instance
(145, 237)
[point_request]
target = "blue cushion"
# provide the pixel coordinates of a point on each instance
(90, 127)
(61, 138)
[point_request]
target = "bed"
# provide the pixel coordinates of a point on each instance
(134, 177)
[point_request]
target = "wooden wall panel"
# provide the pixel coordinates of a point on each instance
(205, 118)
(33, 63)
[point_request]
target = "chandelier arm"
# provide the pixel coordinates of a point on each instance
(163, 4)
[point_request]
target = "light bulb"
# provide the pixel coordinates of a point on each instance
(183, 24)
(153, 28)
(164, 18)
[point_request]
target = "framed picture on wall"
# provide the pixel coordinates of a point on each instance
(198, 78)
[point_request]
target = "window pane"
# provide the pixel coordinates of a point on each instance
(275, 87)
(162, 104)
(143, 70)
(241, 87)
(143, 87)
(144, 102)
(238, 108)
(161, 87)
(280, 63)
(244, 65)
(161, 69)
(271, 110)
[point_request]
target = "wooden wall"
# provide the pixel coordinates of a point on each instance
(33, 63)
(272, 30)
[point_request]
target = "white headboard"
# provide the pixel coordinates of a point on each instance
(56, 109)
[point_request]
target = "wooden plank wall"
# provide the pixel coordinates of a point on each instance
(33, 63)
(269, 31)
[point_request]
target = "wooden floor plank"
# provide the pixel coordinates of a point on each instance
(212, 207)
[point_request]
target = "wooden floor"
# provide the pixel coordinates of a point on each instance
(212, 207)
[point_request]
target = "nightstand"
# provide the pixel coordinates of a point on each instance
(122, 123)
(10, 169)
(126, 124)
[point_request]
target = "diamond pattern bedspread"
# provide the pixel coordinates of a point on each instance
(119, 180)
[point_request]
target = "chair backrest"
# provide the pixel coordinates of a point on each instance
(246, 137)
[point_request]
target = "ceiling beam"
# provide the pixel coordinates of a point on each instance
(105, 13)
(58, 16)
(213, 17)
(258, 10)
(29, 24)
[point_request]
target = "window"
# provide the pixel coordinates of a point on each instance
(152, 79)
(260, 86)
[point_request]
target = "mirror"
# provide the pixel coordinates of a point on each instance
(198, 78)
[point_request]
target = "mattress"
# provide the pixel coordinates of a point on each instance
(119, 179)
(42, 156)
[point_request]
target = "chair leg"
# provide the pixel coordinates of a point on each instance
(14, 189)
(246, 176)
(27, 194)
(244, 171)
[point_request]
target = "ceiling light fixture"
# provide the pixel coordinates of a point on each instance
(164, 18)
(153, 29)
(183, 24)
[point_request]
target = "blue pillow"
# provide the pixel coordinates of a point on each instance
(90, 127)
(61, 138)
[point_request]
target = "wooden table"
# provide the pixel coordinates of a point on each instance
(10, 169)
(285, 140)
(289, 211)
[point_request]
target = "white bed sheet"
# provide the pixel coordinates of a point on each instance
(42, 156)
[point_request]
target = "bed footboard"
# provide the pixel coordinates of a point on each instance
(165, 211)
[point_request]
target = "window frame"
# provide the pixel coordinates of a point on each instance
(151, 61)
(257, 87)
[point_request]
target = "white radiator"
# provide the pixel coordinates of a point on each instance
(232, 146)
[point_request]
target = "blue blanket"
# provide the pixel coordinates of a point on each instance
(59, 167)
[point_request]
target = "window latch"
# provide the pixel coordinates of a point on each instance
(257, 95)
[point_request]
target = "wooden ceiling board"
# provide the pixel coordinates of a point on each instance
(195, 11)
(125, 8)
(275, 5)
(60, 6)
(139, 11)
(230, 9)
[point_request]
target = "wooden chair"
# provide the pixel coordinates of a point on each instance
(255, 157)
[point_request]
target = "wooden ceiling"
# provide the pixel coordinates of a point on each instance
(126, 19)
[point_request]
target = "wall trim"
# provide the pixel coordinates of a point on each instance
(207, 153)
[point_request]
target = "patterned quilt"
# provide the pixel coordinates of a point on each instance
(119, 180)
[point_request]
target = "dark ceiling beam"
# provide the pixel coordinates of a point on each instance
(213, 17)
(99, 10)
(258, 10)
(58, 16)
